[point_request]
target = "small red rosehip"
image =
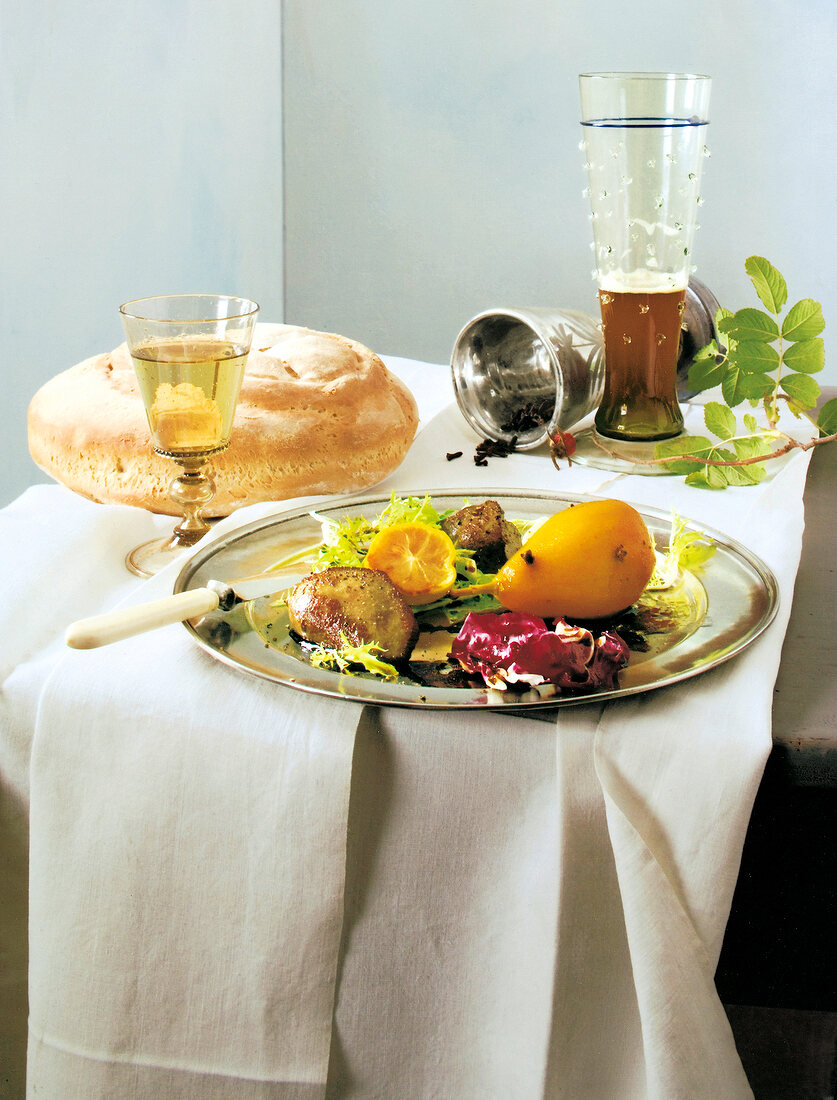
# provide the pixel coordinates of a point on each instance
(561, 445)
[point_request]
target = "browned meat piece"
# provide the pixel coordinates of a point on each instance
(362, 605)
(484, 529)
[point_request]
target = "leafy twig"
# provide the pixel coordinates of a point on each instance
(698, 460)
(764, 360)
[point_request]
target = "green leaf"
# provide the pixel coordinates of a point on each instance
(719, 419)
(803, 321)
(710, 351)
(802, 388)
(750, 423)
(697, 445)
(699, 480)
(751, 324)
(827, 420)
(768, 282)
(807, 356)
(683, 445)
(752, 448)
(755, 358)
(739, 385)
(719, 477)
(705, 374)
(722, 476)
(722, 454)
(721, 315)
(746, 475)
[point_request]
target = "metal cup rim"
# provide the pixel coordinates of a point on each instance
(530, 316)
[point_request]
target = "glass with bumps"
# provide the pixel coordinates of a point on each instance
(644, 146)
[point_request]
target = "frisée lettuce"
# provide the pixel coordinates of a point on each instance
(686, 550)
(346, 542)
(349, 657)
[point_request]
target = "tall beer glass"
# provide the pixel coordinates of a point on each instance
(644, 145)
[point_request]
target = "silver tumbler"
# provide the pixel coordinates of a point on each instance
(521, 374)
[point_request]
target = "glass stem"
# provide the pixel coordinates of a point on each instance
(192, 491)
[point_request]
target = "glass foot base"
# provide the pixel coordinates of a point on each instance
(621, 456)
(149, 558)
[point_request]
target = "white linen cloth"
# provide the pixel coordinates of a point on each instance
(240, 890)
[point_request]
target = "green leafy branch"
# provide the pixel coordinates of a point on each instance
(767, 360)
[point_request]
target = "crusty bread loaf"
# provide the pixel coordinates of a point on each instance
(318, 413)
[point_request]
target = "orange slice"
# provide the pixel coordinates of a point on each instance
(419, 560)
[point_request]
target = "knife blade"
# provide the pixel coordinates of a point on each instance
(125, 622)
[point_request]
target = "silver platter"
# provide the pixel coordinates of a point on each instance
(727, 608)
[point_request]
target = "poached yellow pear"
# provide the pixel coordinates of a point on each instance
(588, 561)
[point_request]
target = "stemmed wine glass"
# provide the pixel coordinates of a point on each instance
(189, 352)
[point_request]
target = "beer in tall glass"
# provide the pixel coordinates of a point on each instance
(644, 144)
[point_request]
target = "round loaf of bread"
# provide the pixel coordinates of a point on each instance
(318, 413)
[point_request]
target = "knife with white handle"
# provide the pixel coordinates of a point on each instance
(125, 622)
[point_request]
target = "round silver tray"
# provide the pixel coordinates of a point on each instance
(728, 607)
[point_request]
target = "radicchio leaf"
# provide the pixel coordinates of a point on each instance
(515, 648)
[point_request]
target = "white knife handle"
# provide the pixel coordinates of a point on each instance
(127, 621)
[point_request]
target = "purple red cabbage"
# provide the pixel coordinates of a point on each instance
(517, 649)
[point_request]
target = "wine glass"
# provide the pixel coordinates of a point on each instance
(189, 352)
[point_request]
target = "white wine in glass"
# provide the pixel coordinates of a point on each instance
(189, 352)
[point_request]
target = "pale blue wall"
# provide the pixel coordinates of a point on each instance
(141, 153)
(432, 163)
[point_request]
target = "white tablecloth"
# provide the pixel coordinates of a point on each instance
(240, 890)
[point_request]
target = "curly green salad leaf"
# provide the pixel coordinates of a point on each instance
(346, 542)
(348, 655)
(687, 550)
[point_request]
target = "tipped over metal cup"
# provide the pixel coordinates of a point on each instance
(521, 374)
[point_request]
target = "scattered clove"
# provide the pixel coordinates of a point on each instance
(494, 448)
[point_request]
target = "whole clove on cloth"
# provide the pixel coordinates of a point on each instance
(533, 414)
(494, 448)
